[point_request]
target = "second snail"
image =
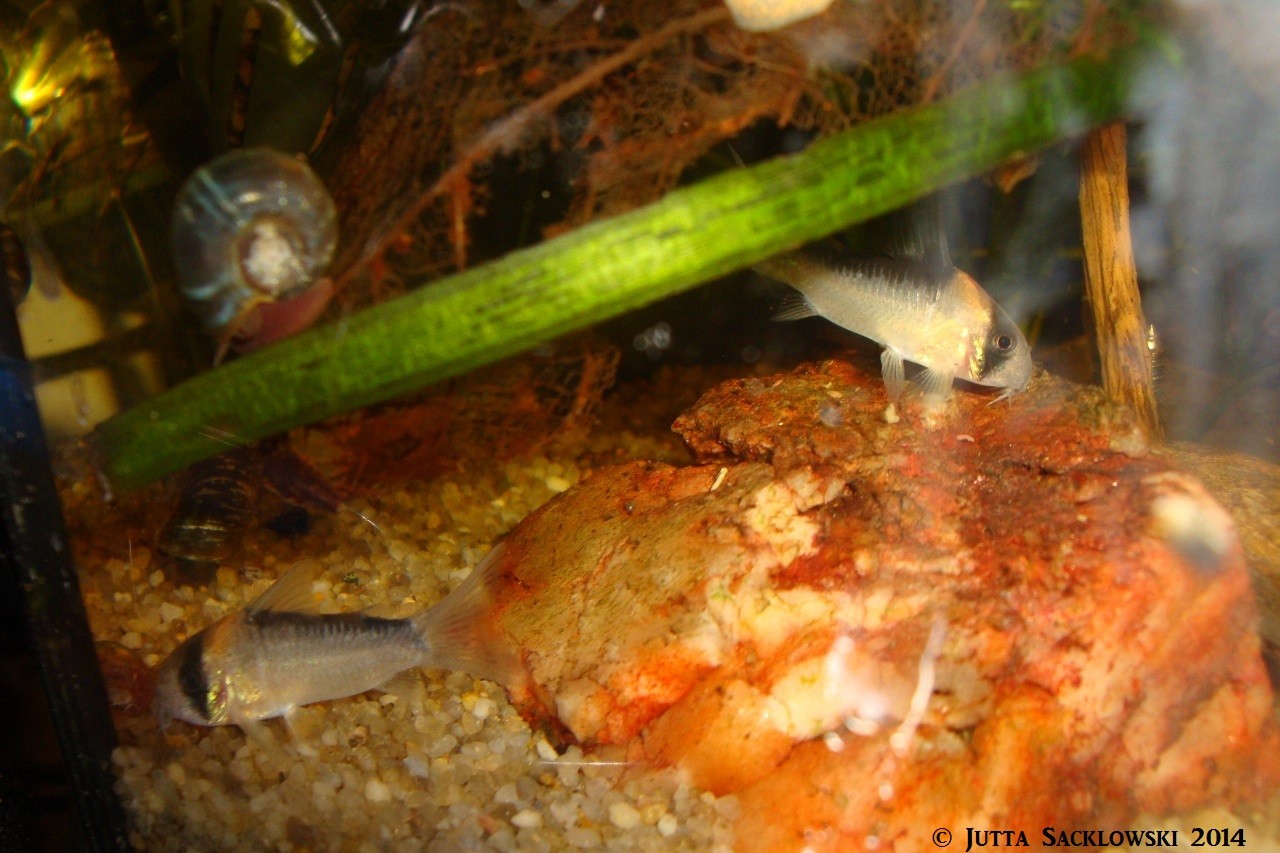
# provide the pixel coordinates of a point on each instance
(254, 231)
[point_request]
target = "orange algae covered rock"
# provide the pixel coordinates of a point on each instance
(1002, 616)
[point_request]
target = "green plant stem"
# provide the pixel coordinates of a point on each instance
(608, 267)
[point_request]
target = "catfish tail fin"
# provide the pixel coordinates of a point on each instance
(460, 633)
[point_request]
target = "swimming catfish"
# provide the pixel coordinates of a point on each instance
(279, 654)
(914, 303)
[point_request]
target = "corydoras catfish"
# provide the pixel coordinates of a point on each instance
(279, 654)
(914, 303)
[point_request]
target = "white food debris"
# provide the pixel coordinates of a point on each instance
(526, 819)
(376, 791)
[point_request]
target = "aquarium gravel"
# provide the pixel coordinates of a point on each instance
(440, 759)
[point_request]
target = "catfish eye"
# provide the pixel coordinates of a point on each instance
(1002, 342)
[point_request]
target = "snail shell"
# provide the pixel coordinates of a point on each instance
(212, 512)
(761, 15)
(251, 226)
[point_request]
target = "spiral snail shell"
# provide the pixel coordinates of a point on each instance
(252, 227)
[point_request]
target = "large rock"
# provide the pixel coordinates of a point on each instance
(1250, 490)
(1005, 616)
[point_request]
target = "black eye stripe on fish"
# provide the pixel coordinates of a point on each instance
(1000, 346)
(191, 675)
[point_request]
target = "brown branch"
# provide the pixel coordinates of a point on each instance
(1111, 277)
(503, 132)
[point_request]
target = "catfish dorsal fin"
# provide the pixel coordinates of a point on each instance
(923, 243)
(291, 593)
(918, 234)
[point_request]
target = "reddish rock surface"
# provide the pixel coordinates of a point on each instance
(1006, 616)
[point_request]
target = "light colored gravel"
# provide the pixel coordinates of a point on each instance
(441, 762)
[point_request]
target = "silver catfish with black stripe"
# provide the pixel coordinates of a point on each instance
(920, 309)
(278, 654)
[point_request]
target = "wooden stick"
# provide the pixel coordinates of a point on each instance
(1111, 277)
